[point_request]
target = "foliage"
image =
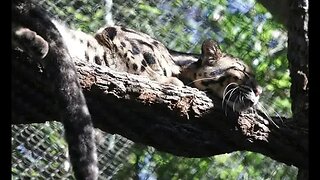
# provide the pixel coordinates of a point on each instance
(85, 15)
(243, 28)
(146, 163)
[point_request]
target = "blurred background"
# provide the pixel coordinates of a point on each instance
(243, 28)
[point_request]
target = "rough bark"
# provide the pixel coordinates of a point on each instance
(298, 57)
(182, 121)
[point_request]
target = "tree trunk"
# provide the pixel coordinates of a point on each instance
(298, 56)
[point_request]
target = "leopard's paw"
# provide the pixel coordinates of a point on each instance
(31, 42)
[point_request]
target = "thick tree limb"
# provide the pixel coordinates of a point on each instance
(181, 121)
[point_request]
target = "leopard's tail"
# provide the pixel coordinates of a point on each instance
(61, 72)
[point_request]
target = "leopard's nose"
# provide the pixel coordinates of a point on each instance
(255, 87)
(257, 90)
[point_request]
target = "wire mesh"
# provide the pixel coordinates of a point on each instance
(39, 150)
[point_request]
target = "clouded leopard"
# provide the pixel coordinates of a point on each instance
(134, 52)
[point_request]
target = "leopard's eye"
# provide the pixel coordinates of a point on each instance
(216, 72)
(236, 78)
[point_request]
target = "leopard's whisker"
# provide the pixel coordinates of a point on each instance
(234, 103)
(264, 110)
(232, 93)
(207, 78)
(224, 102)
(226, 93)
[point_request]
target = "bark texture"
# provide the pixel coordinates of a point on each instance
(298, 56)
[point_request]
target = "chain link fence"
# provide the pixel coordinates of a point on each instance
(39, 151)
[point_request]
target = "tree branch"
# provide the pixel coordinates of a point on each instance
(182, 121)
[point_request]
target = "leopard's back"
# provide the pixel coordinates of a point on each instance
(125, 50)
(137, 53)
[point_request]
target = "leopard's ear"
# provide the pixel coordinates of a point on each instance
(210, 52)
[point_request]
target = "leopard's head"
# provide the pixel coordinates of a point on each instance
(225, 76)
